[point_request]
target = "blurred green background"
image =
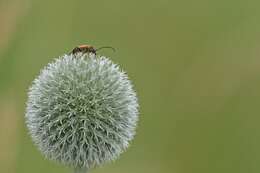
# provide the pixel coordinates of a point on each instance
(195, 66)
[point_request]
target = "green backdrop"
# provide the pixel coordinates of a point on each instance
(194, 64)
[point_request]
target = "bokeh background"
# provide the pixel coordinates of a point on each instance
(195, 66)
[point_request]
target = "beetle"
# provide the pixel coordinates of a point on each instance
(85, 48)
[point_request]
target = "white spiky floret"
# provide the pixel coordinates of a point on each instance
(82, 110)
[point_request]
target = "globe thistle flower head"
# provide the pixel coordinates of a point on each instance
(82, 110)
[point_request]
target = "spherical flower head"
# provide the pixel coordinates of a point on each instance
(82, 110)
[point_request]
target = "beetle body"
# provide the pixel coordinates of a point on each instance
(84, 49)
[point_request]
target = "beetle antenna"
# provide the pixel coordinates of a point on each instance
(106, 47)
